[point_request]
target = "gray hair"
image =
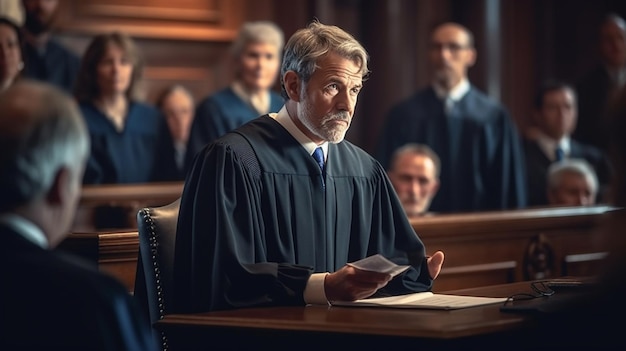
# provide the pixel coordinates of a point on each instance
(308, 45)
(576, 166)
(417, 149)
(41, 131)
(169, 90)
(257, 32)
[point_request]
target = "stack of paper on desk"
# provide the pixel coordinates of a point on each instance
(425, 300)
(378, 263)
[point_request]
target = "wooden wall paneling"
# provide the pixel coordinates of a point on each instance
(203, 20)
(518, 64)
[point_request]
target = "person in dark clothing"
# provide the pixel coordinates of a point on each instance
(598, 87)
(272, 212)
(45, 58)
(482, 162)
(49, 299)
(550, 140)
(129, 138)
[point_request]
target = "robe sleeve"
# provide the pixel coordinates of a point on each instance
(220, 260)
(393, 236)
(505, 169)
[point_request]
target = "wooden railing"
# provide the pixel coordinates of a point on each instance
(507, 246)
(481, 248)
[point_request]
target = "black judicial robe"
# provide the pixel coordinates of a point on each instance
(218, 114)
(482, 161)
(255, 221)
(50, 300)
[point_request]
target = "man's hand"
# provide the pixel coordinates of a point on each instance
(349, 284)
(434, 264)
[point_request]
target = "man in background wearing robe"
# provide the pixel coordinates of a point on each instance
(482, 163)
(273, 211)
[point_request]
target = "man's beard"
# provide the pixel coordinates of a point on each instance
(36, 26)
(326, 131)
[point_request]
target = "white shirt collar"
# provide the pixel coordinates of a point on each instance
(282, 117)
(260, 103)
(456, 94)
(25, 228)
(548, 145)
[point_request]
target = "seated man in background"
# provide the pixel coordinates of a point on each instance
(177, 106)
(550, 140)
(50, 300)
(414, 173)
(572, 182)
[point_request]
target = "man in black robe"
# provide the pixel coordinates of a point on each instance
(482, 164)
(51, 300)
(262, 222)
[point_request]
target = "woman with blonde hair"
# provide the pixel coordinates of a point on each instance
(256, 54)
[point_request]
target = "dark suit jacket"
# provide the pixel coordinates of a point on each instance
(52, 301)
(537, 164)
(593, 91)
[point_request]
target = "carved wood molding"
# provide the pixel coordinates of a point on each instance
(196, 20)
(157, 12)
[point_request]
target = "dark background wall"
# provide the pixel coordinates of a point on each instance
(519, 43)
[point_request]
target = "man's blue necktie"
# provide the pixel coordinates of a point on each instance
(559, 154)
(318, 155)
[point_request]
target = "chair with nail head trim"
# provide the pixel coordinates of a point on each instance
(153, 281)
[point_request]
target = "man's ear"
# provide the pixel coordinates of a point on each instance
(436, 187)
(292, 85)
(57, 193)
(471, 59)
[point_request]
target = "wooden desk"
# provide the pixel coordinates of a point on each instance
(322, 327)
(115, 252)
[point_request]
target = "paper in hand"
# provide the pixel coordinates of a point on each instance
(378, 263)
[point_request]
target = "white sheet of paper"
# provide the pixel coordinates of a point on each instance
(424, 300)
(378, 263)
